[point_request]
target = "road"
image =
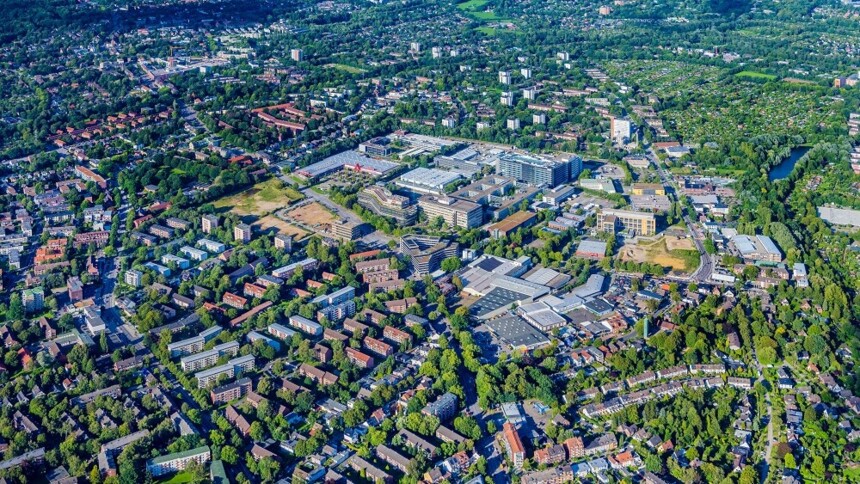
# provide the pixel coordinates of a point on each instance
(706, 263)
(768, 450)
(376, 238)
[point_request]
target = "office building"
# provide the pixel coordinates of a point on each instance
(533, 170)
(519, 220)
(455, 212)
(426, 253)
(349, 230)
(170, 463)
(209, 223)
(242, 233)
(382, 202)
(640, 222)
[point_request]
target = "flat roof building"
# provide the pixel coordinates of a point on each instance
(454, 211)
(426, 253)
(427, 180)
(539, 171)
(178, 461)
(642, 223)
(382, 202)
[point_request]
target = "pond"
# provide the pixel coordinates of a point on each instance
(785, 168)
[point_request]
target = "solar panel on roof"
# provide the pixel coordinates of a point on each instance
(489, 264)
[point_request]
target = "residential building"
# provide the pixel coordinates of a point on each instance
(444, 407)
(305, 324)
(204, 359)
(231, 368)
(620, 130)
(208, 223)
(284, 242)
(396, 459)
(242, 233)
(75, 289)
(513, 445)
(211, 246)
(358, 358)
(33, 299)
(231, 391)
(178, 461)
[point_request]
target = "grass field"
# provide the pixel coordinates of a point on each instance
(346, 68)
(472, 5)
(262, 198)
(672, 252)
(755, 75)
(475, 9)
(179, 478)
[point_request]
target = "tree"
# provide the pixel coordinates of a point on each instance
(451, 264)
(229, 454)
(16, 308)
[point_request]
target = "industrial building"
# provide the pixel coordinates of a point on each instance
(757, 248)
(427, 180)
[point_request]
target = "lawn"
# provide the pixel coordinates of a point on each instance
(262, 198)
(472, 5)
(475, 9)
(755, 75)
(346, 68)
(179, 478)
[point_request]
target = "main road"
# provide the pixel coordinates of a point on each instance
(706, 263)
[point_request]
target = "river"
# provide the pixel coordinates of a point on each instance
(784, 169)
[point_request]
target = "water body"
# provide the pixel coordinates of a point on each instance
(785, 168)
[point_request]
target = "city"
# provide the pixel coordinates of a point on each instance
(430, 242)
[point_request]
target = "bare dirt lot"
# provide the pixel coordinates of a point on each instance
(677, 254)
(286, 228)
(312, 214)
